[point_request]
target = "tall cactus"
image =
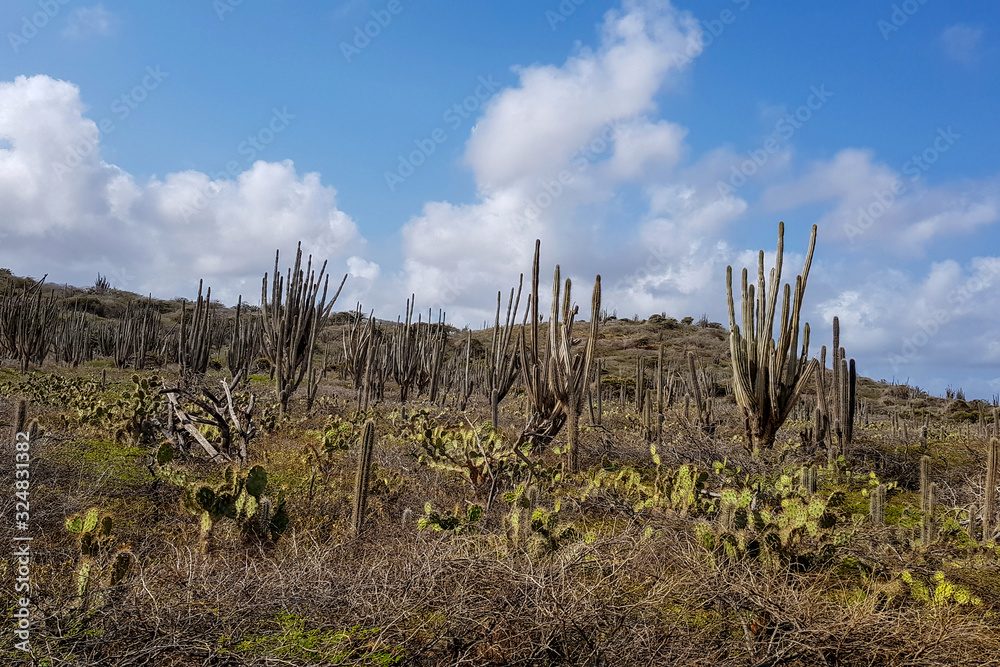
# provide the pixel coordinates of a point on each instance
(928, 501)
(293, 314)
(405, 353)
(569, 371)
(546, 414)
(768, 377)
(876, 504)
(990, 491)
(501, 364)
(244, 342)
(845, 379)
(361, 479)
(195, 341)
(28, 321)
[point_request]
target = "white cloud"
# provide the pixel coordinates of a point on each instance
(159, 236)
(871, 203)
(901, 325)
(575, 154)
(90, 22)
(961, 43)
(561, 141)
(359, 267)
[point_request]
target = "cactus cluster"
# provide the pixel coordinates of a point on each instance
(680, 491)
(502, 361)
(555, 377)
(28, 322)
(244, 342)
(532, 528)
(937, 591)
(702, 402)
(292, 315)
(195, 340)
(457, 521)
(130, 415)
(802, 529)
(239, 498)
(768, 375)
(102, 564)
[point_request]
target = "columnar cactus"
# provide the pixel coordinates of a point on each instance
(501, 364)
(195, 335)
(844, 392)
(28, 322)
(405, 357)
(546, 414)
(363, 474)
(876, 504)
(768, 377)
(807, 480)
(569, 372)
(990, 491)
(928, 499)
(703, 404)
(292, 315)
(20, 418)
(245, 342)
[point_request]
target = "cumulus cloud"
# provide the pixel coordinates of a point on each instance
(161, 235)
(559, 142)
(359, 267)
(900, 325)
(876, 207)
(90, 22)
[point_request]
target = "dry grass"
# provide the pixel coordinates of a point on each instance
(638, 590)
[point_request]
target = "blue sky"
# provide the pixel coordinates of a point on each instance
(161, 143)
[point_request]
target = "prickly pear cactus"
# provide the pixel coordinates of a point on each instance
(801, 529)
(102, 564)
(238, 498)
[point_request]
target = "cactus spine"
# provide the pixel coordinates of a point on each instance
(768, 377)
(361, 479)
